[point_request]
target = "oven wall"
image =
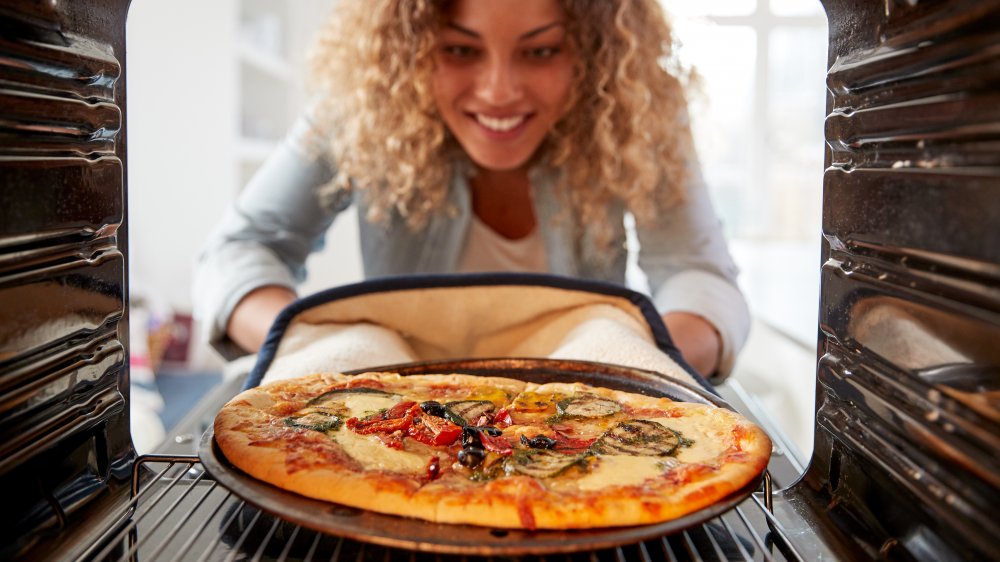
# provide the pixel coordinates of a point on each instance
(908, 418)
(63, 262)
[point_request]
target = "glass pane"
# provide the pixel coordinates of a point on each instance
(722, 113)
(699, 8)
(797, 8)
(793, 185)
(796, 106)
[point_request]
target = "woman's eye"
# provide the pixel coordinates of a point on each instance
(460, 51)
(542, 52)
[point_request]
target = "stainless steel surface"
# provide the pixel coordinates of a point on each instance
(905, 462)
(420, 535)
(63, 287)
(905, 459)
(179, 513)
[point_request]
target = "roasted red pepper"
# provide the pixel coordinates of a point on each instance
(397, 418)
(391, 440)
(367, 426)
(433, 468)
(566, 443)
(431, 430)
(498, 444)
(502, 418)
(399, 410)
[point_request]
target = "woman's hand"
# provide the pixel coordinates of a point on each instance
(253, 316)
(697, 340)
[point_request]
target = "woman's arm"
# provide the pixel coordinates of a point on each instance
(263, 241)
(697, 340)
(684, 254)
(252, 318)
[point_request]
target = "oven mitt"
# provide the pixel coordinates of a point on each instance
(435, 317)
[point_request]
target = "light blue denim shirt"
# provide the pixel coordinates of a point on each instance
(280, 218)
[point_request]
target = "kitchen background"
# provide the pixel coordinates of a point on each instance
(213, 85)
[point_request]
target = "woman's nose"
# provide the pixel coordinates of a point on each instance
(499, 82)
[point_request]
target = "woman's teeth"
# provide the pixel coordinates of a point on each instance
(499, 124)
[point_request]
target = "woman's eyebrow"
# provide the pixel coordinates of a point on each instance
(540, 30)
(532, 33)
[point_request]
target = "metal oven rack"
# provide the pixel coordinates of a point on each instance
(178, 512)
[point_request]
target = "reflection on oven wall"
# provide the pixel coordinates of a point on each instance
(758, 118)
(956, 355)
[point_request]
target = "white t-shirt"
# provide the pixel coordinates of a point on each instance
(487, 250)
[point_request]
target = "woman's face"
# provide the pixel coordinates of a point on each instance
(503, 72)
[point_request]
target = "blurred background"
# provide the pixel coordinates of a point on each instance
(212, 87)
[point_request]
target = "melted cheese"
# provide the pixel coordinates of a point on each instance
(620, 470)
(368, 450)
(375, 455)
(626, 470)
(362, 404)
(706, 443)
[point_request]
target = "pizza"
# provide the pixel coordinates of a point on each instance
(490, 451)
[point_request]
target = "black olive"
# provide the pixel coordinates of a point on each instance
(491, 431)
(432, 408)
(470, 437)
(471, 456)
(539, 442)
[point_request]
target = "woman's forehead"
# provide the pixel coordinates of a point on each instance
(515, 15)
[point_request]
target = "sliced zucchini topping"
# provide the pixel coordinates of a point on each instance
(588, 406)
(539, 463)
(316, 420)
(642, 438)
(328, 411)
(337, 396)
(467, 412)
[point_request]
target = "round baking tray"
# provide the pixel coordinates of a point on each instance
(415, 534)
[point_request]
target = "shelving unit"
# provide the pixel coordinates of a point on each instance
(266, 79)
(271, 40)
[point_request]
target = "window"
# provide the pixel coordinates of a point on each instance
(758, 121)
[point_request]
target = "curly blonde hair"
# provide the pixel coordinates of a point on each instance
(622, 136)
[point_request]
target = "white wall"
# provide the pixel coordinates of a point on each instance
(181, 88)
(186, 159)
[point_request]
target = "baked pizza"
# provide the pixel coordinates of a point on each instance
(490, 451)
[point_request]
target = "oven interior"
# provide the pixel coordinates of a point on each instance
(905, 465)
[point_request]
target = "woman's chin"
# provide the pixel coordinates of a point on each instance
(502, 162)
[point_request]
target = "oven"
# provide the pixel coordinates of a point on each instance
(905, 465)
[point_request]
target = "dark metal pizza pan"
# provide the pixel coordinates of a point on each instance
(415, 534)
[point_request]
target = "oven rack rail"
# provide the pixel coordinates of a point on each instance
(180, 513)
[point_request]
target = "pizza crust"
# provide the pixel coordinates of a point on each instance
(728, 454)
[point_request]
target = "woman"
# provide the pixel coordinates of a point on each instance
(481, 135)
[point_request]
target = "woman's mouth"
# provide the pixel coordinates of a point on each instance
(500, 124)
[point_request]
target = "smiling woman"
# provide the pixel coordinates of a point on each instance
(502, 79)
(511, 135)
